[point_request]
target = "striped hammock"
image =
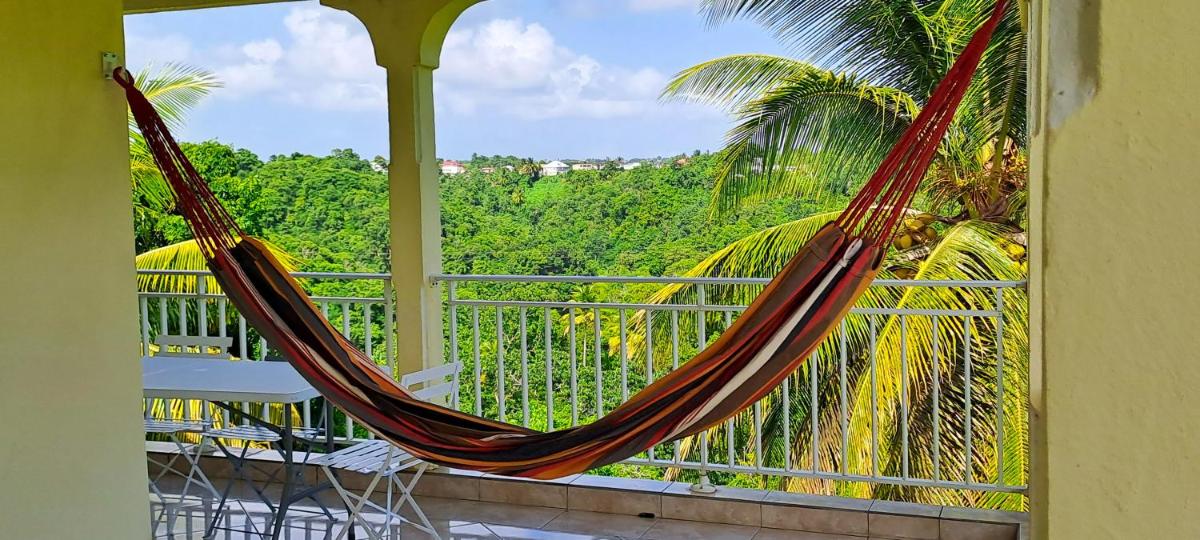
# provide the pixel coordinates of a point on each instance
(788, 320)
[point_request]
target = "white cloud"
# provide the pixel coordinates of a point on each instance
(267, 50)
(518, 68)
(324, 60)
(655, 5)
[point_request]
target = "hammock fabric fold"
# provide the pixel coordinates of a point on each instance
(795, 312)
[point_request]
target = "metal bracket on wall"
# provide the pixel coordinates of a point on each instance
(108, 63)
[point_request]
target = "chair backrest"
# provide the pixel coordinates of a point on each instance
(433, 382)
(193, 346)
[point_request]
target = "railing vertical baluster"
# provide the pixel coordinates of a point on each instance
(937, 402)
(968, 432)
(814, 405)
(389, 331)
(730, 443)
(452, 308)
(676, 458)
(701, 340)
(624, 353)
(904, 398)
(1000, 387)
(243, 344)
(649, 343)
(843, 400)
(368, 339)
(183, 318)
(500, 375)
(787, 423)
(758, 443)
(574, 367)
(730, 432)
(202, 306)
(144, 315)
(874, 402)
(287, 409)
(524, 366)
(163, 317)
(222, 312)
(478, 368)
(596, 350)
(649, 346)
(549, 371)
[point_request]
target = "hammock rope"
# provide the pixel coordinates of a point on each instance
(791, 317)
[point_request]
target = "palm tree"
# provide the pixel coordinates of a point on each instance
(174, 89)
(817, 128)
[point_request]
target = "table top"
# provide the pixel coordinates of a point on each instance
(223, 380)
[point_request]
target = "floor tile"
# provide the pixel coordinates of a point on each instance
(670, 529)
(595, 522)
(779, 534)
(533, 517)
(521, 533)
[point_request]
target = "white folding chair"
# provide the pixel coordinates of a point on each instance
(384, 462)
(175, 428)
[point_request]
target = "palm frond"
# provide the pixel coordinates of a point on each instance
(817, 132)
(907, 44)
(187, 256)
(731, 81)
(174, 89)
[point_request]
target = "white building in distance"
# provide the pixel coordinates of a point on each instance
(555, 168)
(631, 165)
(585, 167)
(451, 167)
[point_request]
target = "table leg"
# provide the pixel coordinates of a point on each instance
(289, 470)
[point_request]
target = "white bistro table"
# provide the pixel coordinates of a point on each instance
(224, 382)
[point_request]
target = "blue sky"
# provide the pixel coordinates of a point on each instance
(541, 78)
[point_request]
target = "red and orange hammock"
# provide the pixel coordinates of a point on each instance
(796, 311)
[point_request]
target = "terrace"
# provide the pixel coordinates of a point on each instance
(1108, 451)
(600, 352)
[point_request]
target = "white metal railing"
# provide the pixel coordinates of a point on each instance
(363, 310)
(555, 351)
(524, 342)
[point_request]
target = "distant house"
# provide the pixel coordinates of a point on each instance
(509, 168)
(555, 168)
(451, 167)
(631, 165)
(487, 170)
(585, 167)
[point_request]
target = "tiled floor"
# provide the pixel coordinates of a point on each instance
(457, 519)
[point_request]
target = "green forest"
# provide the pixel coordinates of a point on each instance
(331, 213)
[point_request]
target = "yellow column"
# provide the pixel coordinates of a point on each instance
(72, 462)
(1116, 200)
(408, 37)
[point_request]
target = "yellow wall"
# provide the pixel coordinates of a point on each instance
(1117, 156)
(71, 457)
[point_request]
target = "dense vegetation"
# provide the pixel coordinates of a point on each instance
(331, 212)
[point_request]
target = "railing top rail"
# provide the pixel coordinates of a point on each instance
(436, 278)
(508, 278)
(309, 275)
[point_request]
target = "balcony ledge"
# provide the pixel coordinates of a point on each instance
(674, 500)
